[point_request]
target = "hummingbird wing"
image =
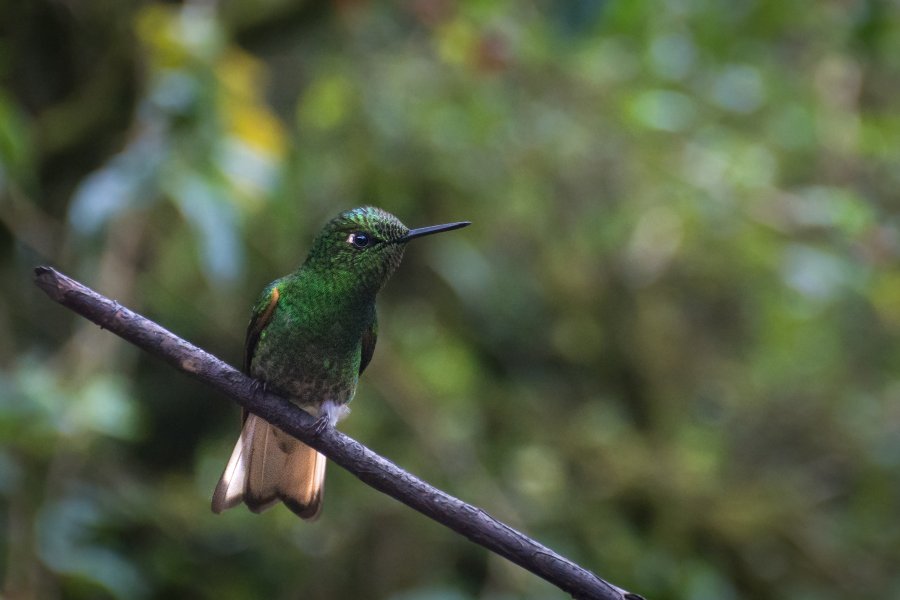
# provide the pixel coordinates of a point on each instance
(369, 337)
(259, 319)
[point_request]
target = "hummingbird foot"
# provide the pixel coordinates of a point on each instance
(322, 423)
(257, 387)
(329, 414)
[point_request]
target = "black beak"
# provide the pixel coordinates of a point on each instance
(414, 233)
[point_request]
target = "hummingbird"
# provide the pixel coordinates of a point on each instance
(311, 335)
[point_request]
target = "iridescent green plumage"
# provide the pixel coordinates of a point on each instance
(311, 335)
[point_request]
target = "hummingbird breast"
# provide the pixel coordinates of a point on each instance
(311, 350)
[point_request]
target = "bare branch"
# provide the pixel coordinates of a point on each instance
(376, 471)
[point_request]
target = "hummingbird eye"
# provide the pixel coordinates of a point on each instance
(359, 239)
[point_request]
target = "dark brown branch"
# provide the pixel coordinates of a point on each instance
(371, 468)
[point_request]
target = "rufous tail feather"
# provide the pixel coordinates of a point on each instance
(266, 466)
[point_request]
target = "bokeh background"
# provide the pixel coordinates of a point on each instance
(666, 348)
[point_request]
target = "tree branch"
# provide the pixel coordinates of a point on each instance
(372, 469)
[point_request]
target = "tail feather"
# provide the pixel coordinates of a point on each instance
(266, 461)
(268, 465)
(230, 489)
(303, 481)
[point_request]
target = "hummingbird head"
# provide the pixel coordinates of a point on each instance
(364, 246)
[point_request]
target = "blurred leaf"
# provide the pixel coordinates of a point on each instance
(65, 530)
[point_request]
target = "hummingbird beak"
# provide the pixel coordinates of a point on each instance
(414, 233)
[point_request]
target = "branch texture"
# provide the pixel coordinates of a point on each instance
(372, 469)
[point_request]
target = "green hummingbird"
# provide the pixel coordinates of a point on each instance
(311, 335)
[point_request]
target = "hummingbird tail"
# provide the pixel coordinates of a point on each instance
(266, 466)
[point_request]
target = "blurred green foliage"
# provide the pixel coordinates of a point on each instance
(667, 347)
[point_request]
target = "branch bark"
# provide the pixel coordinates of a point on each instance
(372, 469)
